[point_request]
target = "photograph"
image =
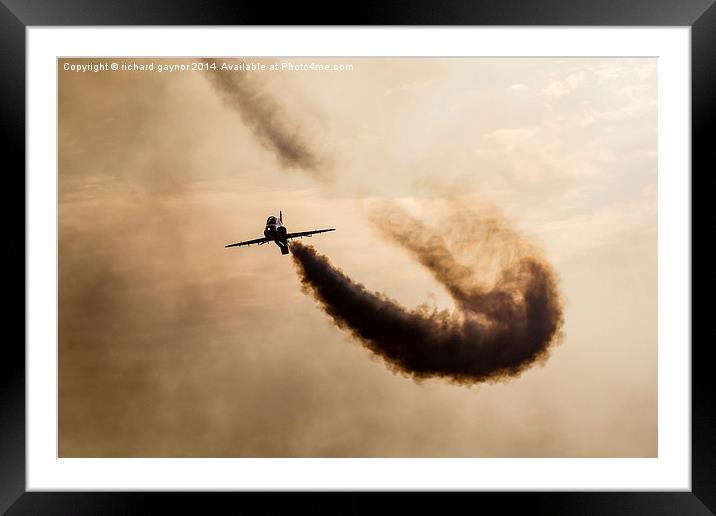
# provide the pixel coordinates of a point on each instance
(391, 257)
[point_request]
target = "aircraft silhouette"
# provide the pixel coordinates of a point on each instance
(276, 232)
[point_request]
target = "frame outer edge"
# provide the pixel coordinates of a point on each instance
(12, 109)
(368, 12)
(703, 125)
(12, 360)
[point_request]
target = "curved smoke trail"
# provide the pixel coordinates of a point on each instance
(497, 330)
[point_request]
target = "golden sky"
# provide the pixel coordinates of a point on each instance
(171, 345)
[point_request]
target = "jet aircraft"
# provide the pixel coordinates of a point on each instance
(276, 232)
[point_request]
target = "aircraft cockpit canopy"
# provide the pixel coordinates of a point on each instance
(271, 220)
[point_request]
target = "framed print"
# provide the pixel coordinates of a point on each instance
(323, 257)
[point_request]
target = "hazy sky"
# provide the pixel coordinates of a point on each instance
(172, 345)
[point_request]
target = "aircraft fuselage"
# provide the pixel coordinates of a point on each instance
(276, 231)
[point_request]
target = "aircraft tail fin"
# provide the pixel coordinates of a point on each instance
(280, 216)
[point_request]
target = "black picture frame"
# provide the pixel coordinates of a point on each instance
(17, 15)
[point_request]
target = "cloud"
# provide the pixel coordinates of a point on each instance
(560, 87)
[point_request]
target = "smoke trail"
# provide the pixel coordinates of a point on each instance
(266, 119)
(497, 330)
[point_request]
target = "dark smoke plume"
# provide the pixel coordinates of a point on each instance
(501, 326)
(270, 124)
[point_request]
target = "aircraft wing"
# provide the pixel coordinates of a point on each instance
(249, 242)
(308, 233)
